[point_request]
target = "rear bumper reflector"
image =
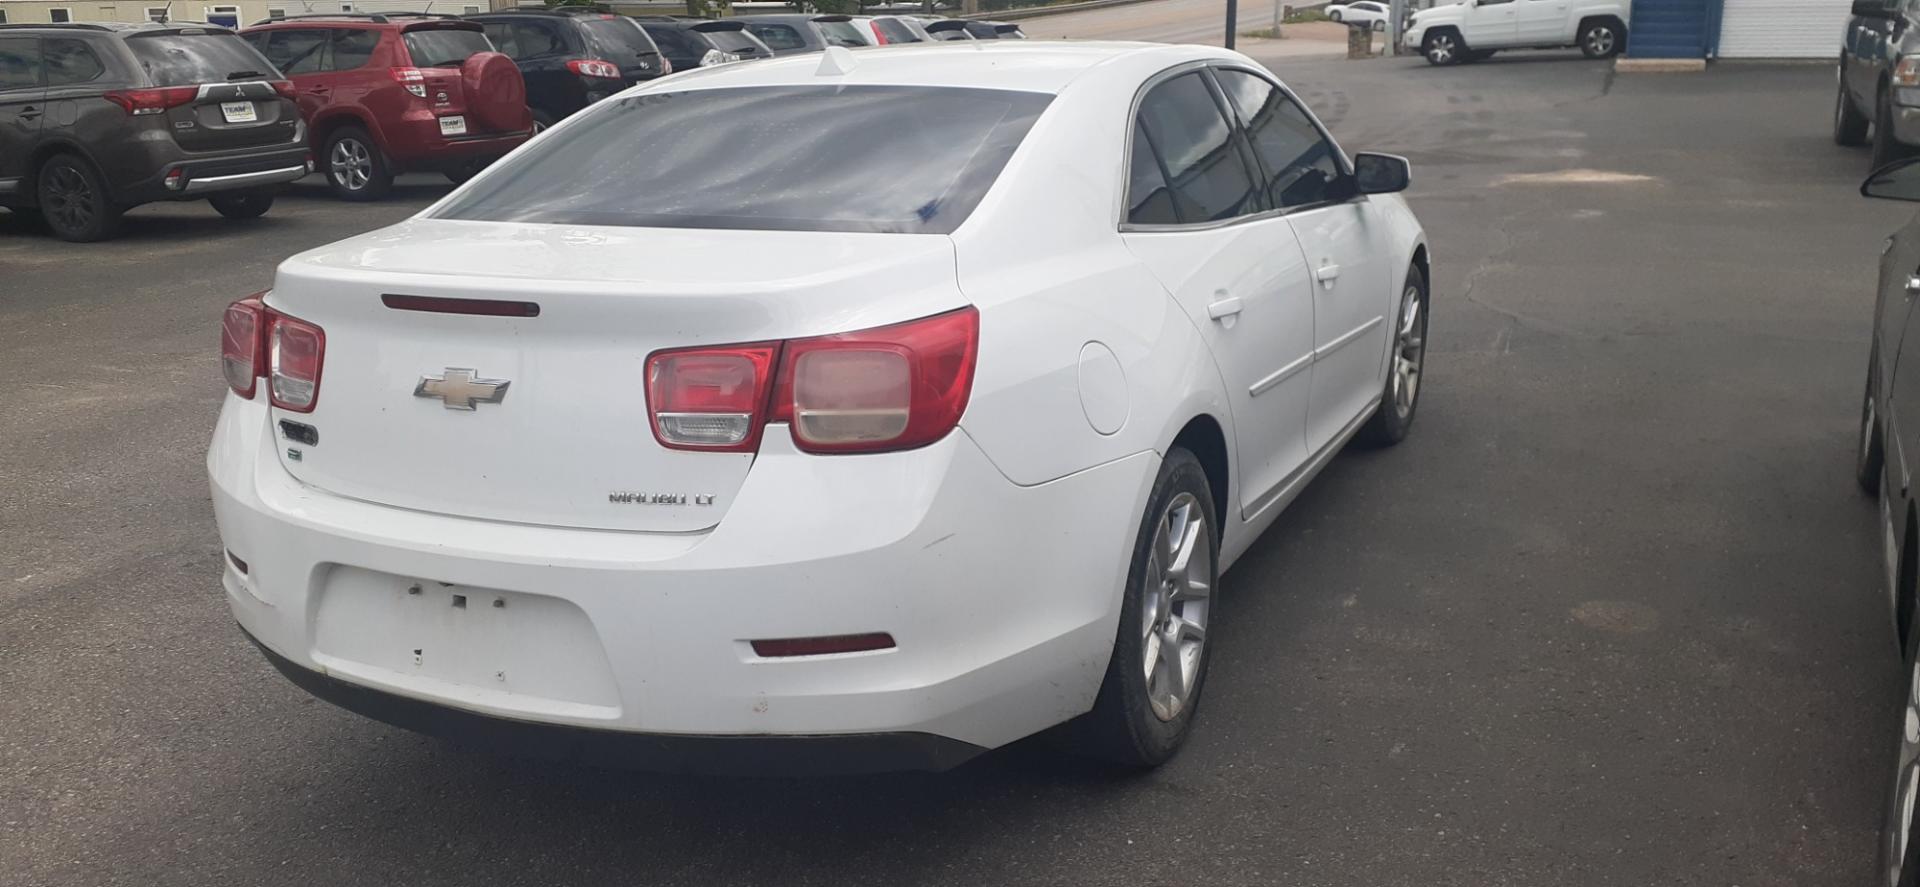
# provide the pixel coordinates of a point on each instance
(485, 307)
(823, 646)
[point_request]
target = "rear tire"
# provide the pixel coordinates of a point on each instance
(74, 201)
(1868, 455)
(1849, 125)
(1601, 40)
(1442, 48)
(354, 166)
(1333, 16)
(243, 204)
(1158, 669)
(1406, 368)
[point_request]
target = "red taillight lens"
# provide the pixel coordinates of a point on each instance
(710, 398)
(822, 646)
(283, 87)
(240, 351)
(141, 102)
(879, 37)
(594, 68)
(413, 79)
(294, 356)
(257, 341)
(891, 388)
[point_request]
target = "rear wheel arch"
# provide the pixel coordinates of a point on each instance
(30, 184)
(1207, 441)
(1586, 22)
(1420, 261)
(323, 128)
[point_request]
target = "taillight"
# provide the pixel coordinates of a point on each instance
(284, 87)
(141, 102)
(710, 398)
(413, 79)
(240, 352)
(594, 68)
(294, 363)
(257, 341)
(879, 37)
(891, 388)
(666, 66)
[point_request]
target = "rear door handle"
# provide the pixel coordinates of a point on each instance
(29, 112)
(1327, 273)
(1224, 308)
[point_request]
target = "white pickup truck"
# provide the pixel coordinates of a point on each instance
(1474, 29)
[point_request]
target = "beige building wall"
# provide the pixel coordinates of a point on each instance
(244, 12)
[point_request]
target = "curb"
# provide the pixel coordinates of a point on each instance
(1659, 66)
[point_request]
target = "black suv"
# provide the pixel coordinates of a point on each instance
(96, 119)
(572, 56)
(692, 42)
(791, 33)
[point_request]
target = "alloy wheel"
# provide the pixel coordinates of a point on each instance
(1409, 352)
(350, 164)
(1440, 49)
(68, 199)
(1600, 41)
(1899, 829)
(1176, 596)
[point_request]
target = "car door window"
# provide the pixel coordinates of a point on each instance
(778, 37)
(296, 51)
(19, 62)
(1149, 200)
(70, 61)
(352, 49)
(671, 41)
(536, 39)
(1301, 166)
(1189, 132)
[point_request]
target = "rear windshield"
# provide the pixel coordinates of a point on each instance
(191, 59)
(840, 33)
(731, 41)
(619, 40)
(899, 159)
(444, 47)
(896, 31)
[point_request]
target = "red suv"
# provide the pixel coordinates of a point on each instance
(393, 93)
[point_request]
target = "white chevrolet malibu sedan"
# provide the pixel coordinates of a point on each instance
(857, 411)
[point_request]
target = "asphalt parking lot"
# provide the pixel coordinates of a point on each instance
(1609, 616)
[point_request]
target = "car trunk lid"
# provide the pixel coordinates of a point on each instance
(570, 442)
(234, 104)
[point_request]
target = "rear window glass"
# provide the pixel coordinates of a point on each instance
(444, 47)
(840, 34)
(732, 41)
(778, 37)
(618, 39)
(897, 159)
(895, 31)
(191, 59)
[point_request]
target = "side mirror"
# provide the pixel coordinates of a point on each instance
(1872, 9)
(1899, 180)
(1381, 173)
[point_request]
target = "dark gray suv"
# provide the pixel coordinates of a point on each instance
(98, 118)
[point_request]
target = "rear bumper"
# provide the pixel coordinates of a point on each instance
(234, 181)
(201, 175)
(416, 143)
(1002, 600)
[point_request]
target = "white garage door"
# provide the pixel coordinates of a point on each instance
(1782, 28)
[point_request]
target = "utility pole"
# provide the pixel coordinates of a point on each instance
(1233, 20)
(1396, 16)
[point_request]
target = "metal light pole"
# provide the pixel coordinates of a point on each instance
(1233, 20)
(1396, 15)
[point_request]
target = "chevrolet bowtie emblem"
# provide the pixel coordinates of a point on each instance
(460, 389)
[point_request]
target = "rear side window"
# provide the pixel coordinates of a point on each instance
(899, 159)
(71, 61)
(294, 52)
(186, 59)
(618, 39)
(19, 62)
(1149, 200)
(443, 47)
(1302, 164)
(671, 40)
(895, 31)
(778, 37)
(839, 34)
(353, 48)
(1210, 179)
(526, 40)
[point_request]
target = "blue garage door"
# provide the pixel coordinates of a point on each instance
(1670, 29)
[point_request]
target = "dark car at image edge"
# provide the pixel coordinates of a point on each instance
(97, 118)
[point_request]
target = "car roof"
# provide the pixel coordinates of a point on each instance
(120, 27)
(392, 20)
(1028, 66)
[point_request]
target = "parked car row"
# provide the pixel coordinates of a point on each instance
(190, 111)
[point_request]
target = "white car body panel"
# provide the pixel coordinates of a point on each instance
(1515, 23)
(1093, 356)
